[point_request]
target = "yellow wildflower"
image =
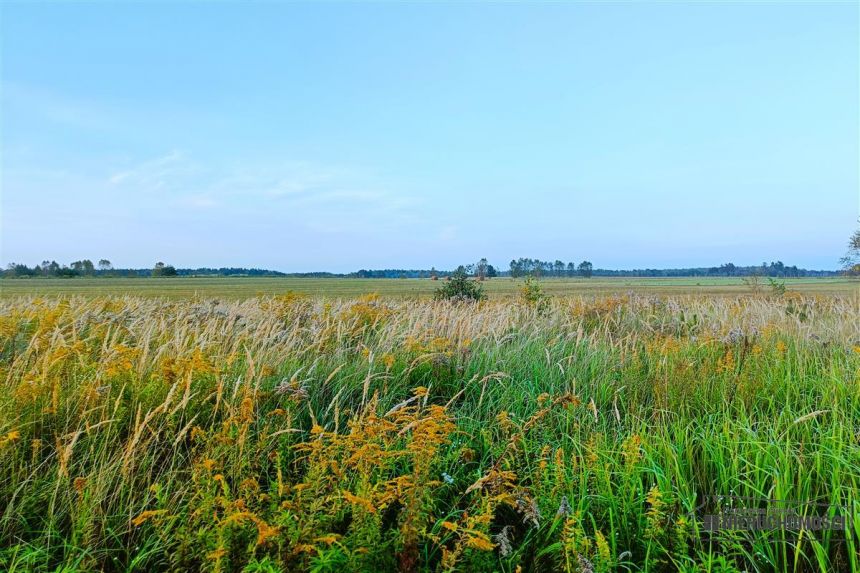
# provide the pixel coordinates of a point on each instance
(360, 501)
(480, 542)
(265, 532)
(388, 360)
(146, 516)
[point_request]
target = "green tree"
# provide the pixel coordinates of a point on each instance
(585, 269)
(481, 269)
(851, 260)
(162, 270)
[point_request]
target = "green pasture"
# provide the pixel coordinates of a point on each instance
(244, 287)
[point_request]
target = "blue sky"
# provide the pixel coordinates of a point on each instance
(345, 136)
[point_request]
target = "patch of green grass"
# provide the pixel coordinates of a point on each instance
(244, 287)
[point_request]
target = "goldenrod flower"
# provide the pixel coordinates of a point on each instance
(146, 516)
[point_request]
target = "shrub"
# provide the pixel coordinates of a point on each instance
(532, 293)
(460, 288)
(753, 281)
(778, 287)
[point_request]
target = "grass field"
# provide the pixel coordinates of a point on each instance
(580, 434)
(242, 287)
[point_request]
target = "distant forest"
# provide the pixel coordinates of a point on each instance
(482, 269)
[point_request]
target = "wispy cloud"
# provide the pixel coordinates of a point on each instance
(158, 173)
(305, 192)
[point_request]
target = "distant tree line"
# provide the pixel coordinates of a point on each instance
(774, 269)
(104, 268)
(395, 274)
(536, 268)
(54, 269)
(522, 267)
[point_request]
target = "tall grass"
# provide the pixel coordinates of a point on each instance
(293, 434)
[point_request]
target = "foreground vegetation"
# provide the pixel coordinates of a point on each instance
(291, 434)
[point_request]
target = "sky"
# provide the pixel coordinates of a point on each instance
(340, 136)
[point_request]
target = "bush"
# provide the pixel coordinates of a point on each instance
(460, 288)
(778, 287)
(532, 293)
(753, 281)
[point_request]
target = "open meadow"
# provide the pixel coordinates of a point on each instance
(232, 433)
(332, 288)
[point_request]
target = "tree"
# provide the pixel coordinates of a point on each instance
(19, 270)
(105, 265)
(571, 269)
(558, 268)
(67, 272)
(162, 270)
(492, 272)
(481, 269)
(585, 269)
(728, 269)
(84, 267)
(851, 260)
(516, 268)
